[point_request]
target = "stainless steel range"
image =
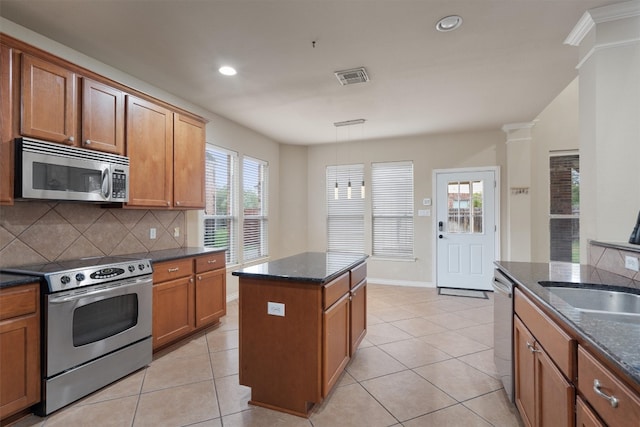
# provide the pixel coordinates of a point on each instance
(97, 324)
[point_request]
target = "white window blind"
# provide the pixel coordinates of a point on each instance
(392, 209)
(220, 213)
(254, 187)
(345, 216)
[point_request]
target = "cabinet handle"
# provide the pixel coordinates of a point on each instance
(173, 270)
(177, 203)
(71, 139)
(191, 280)
(211, 261)
(532, 347)
(167, 203)
(612, 400)
(199, 277)
(87, 142)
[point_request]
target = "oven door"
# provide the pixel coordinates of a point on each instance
(86, 323)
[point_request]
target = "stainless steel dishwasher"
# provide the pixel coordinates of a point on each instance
(503, 330)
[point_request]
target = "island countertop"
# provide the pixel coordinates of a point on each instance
(311, 267)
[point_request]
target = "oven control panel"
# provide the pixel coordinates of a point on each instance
(76, 278)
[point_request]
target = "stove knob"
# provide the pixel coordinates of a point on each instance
(141, 266)
(65, 279)
(131, 268)
(79, 277)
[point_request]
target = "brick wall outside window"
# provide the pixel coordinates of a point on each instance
(564, 225)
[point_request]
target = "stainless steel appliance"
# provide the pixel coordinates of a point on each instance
(59, 172)
(97, 322)
(503, 330)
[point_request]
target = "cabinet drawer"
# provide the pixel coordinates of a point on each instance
(627, 412)
(358, 274)
(557, 343)
(210, 262)
(168, 270)
(18, 301)
(335, 289)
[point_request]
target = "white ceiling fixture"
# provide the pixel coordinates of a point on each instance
(227, 70)
(449, 23)
(352, 76)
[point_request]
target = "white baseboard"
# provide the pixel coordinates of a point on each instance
(394, 282)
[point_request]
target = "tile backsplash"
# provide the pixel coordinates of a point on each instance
(610, 257)
(36, 232)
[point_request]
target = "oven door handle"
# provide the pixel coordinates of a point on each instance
(102, 290)
(502, 288)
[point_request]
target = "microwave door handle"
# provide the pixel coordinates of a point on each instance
(106, 183)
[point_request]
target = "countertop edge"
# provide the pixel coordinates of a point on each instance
(9, 280)
(617, 245)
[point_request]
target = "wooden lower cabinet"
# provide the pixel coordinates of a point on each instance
(336, 342)
(358, 315)
(616, 403)
(543, 395)
(188, 294)
(173, 308)
(585, 417)
(19, 348)
(210, 297)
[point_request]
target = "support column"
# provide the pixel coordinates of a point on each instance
(518, 187)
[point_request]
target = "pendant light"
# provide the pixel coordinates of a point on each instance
(349, 187)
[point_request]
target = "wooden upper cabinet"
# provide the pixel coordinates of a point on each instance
(188, 162)
(49, 104)
(6, 126)
(102, 117)
(150, 150)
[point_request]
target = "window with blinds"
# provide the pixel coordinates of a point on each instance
(220, 213)
(392, 209)
(254, 188)
(345, 215)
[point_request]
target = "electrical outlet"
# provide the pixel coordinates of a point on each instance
(152, 233)
(176, 232)
(631, 263)
(275, 309)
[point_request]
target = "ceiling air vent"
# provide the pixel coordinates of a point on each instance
(352, 76)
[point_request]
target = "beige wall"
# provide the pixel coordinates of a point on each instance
(427, 153)
(556, 129)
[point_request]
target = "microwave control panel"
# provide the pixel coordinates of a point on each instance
(119, 186)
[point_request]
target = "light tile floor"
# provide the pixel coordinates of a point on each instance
(427, 360)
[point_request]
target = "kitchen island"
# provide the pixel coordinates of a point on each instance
(301, 320)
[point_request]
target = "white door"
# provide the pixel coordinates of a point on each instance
(466, 229)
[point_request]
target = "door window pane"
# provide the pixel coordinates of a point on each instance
(564, 207)
(465, 206)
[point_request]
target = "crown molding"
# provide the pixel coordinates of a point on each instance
(599, 15)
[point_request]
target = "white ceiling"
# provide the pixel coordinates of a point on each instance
(504, 65)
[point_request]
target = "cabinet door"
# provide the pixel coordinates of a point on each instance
(6, 125)
(358, 315)
(48, 101)
(585, 416)
(335, 345)
(524, 360)
(211, 297)
(554, 394)
(102, 117)
(150, 150)
(188, 162)
(19, 349)
(173, 310)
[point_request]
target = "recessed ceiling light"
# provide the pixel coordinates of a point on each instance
(449, 23)
(227, 71)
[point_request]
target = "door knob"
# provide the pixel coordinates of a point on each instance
(440, 236)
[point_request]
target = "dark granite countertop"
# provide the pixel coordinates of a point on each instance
(311, 267)
(8, 280)
(172, 254)
(617, 341)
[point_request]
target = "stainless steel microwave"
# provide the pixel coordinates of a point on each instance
(58, 172)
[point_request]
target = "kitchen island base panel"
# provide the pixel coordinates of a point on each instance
(280, 355)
